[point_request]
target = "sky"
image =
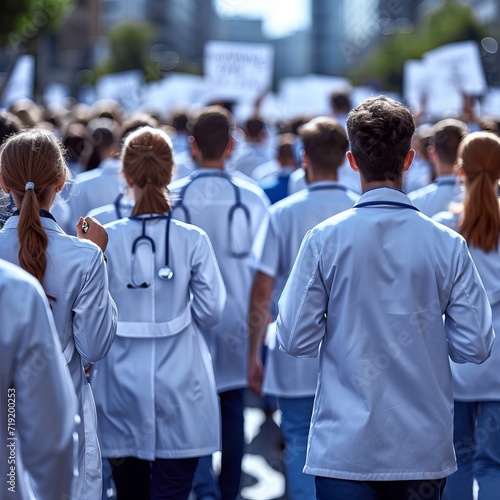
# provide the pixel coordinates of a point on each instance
(281, 17)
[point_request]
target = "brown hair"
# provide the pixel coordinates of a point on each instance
(446, 138)
(212, 131)
(380, 132)
(148, 160)
(32, 156)
(325, 143)
(479, 156)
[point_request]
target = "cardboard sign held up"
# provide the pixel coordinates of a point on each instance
(239, 71)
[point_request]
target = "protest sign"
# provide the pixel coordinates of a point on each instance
(239, 71)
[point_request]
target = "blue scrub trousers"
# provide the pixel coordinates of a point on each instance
(476, 437)
(295, 421)
(340, 489)
(162, 479)
(232, 404)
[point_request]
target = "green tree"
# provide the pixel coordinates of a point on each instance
(129, 46)
(22, 21)
(454, 21)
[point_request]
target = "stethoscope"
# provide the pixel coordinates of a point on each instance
(235, 207)
(165, 273)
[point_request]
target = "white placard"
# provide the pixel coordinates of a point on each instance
(125, 87)
(443, 76)
(239, 71)
(416, 79)
(21, 81)
(174, 91)
(310, 94)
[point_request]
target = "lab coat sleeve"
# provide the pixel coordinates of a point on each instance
(207, 286)
(46, 405)
(94, 312)
(269, 259)
(468, 319)
(301, 323)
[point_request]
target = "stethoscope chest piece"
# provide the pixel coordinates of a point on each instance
(165, 273)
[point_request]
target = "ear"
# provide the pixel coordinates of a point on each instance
(60, 186)
(195, 150)
(229, 148)
(352, 161)
(305, 161)
(433, 157)
(408, 160)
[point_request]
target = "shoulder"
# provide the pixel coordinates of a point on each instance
(12, 277)
(447, 218)
(250, 189)
(189, 230)
(422, 192)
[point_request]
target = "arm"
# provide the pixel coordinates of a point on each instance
(303, 304)
(258, 320)
(45, 401)
(468, 315)
(207, 285)
(94, 312)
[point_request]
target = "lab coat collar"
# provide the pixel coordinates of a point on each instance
(216, 172)
(382, 194)
(47, 223)
(326, 184)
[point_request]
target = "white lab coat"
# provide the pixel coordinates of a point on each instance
(479, 382)
(155, 390)
(208, 201)
(289, 220)
(437, 196)
(85, 318)
(44, 401)
(371, 285)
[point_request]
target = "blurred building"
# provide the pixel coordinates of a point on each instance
(183, 26)
(292, 53)
(342, 32)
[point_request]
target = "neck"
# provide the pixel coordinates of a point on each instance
(314, 177)
(216, 164)
(365, 186)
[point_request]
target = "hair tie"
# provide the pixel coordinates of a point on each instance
(29, 185)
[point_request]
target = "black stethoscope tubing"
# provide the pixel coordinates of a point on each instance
(237, 205)
(165, 273)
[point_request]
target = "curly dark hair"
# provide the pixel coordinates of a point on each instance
(380, 132)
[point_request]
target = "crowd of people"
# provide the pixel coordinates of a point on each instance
(344, 267)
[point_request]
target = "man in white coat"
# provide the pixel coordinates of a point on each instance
(230, 210)
(292, 380)
(446, 188)
(38, 404)
(368, 293)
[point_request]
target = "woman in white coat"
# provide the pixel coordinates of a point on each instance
(71, 270)
(476, 388)
(155, 391)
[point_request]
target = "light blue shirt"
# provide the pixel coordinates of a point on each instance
(438, 195)
(289, 220)
(368, 292)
